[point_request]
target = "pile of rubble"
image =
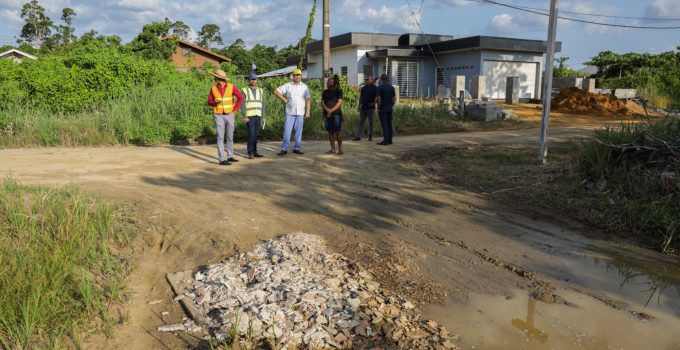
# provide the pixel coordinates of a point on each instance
(576, 100)
(291, 292)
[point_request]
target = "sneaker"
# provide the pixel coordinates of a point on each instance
(370, 139)
(297, 151)
(257, 155)
(282, 152)
(233, 160)
(383, 143)
(225, 162)
(250, 156)
(356, 139)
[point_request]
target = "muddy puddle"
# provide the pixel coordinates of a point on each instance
(622, 302)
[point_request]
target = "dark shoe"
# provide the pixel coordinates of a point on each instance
(297, 151)
(257, 155)
(233, 160)
(357, 139)
(370, 139)
(225, 162)
(250, 156)
(282, 152)
(383, 143)
(390, 142)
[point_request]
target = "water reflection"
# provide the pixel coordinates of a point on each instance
(528, 326)
(652, 280)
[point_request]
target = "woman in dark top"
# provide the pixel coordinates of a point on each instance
(331, 100)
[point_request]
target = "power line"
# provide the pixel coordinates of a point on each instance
(604, 16)
(427, 40)
(519, 8)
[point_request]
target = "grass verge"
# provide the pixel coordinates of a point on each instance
(61, 265)
(624, 182)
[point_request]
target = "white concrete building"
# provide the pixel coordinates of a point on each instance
(420, 63)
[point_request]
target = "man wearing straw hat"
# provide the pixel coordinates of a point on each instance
(221, 97)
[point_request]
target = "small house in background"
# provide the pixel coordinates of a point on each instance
(189, 55)
(17, 55)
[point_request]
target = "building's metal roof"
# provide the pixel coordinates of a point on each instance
(408, 53)
(481, 42)
(181, 42)
(18, 52)
(356, 39)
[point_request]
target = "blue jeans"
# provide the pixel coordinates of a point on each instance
(386, 124)
(253, 132)
(334, 123)
(293, 122)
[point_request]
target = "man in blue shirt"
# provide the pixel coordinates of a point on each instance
(366, 108)
(385, 99)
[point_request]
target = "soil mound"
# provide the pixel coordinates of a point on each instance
(575, 100)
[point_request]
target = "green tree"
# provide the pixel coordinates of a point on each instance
(148, 42)
(561, 69)
(66, 31)
(209, 34)
(38, 25)
(181, 30)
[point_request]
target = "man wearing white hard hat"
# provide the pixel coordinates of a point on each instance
(297, 98)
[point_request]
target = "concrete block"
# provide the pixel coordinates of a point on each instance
(561, 83)
(457, 85)
(603, 91)
(625, 93)
(512, 90)
(478, 87)
(484, 111)
(588, 85)
(442, 92)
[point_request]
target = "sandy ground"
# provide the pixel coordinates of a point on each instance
(468, 262)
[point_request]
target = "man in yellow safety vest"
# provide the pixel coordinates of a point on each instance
(221, 97)
(253, 113)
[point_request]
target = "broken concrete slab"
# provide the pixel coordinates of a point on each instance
(181, 284)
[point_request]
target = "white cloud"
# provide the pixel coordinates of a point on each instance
(383, 18)
(663, 9)
(503, 24)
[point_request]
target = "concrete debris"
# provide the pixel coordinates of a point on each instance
(295, 292)
(187, 326)
(483, 111)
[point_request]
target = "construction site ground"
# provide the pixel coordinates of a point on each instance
(468, 262)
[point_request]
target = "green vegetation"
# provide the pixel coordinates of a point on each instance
(60, 265)
(625, 181)
(97, 94)
(656, 77)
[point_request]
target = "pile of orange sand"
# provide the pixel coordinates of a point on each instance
(575, 100)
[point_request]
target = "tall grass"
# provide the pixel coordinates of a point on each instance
(175, 112)
(59, 264)
(637, 166)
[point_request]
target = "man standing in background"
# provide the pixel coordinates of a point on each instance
(386, 98)
(366, 108)
(253, 111)
(221, 97)
(297, 98)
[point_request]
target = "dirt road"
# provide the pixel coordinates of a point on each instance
(470, 263)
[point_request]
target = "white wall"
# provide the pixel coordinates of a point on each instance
(535, 59)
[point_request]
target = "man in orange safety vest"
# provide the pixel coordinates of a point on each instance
(226, 100)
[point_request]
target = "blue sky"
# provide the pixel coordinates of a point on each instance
(283, 22)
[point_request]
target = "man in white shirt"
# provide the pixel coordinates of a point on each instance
(297, 98)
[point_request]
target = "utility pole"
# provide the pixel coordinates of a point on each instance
(547, 90)
(326, 41)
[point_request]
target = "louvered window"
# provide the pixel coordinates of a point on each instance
(343, 70)
(440, 76)
(407, 78)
